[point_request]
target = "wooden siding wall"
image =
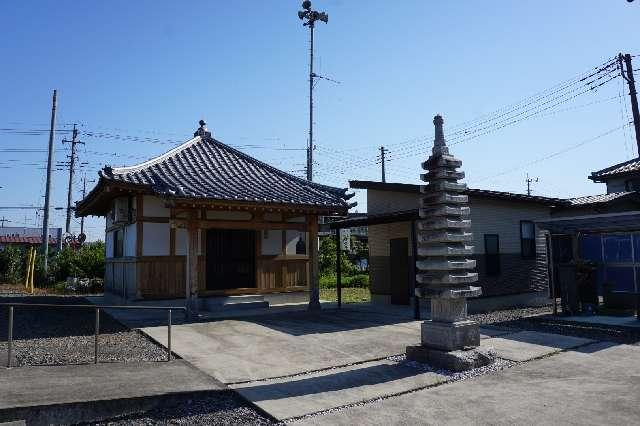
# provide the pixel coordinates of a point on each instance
(163, 276)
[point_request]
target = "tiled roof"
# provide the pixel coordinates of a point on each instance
(597, 199)
(630, 166)
(204, 168)
(11, 239)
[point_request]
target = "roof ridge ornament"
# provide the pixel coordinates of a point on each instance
(202, 130)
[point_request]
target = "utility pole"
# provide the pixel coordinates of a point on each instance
(72, 162)
(632, 93)
(2, 221)
(312, 16)
(381, 160)
(529, 181)
(47, 194)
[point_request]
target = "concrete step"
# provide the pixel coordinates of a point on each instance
(249, 301)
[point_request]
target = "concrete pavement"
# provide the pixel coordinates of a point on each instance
(308, 362)
(27, 390)
(593, 385)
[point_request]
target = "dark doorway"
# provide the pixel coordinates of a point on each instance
(231, 256)
(399, 270)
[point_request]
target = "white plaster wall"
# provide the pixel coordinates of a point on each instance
(155, 241)
(292, 237)
(108, 244)
(181, 242)
(154, 207)
(130, 240)
(272, 244)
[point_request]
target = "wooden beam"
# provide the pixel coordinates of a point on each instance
(139, 227)
(240, 224)
(314, 284)
(192, 266)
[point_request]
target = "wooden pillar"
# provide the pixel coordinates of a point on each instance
(191, 267)
(339, 267)
(314, 283)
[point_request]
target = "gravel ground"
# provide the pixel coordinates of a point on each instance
(54, 336)
(221, 409)
(538, 319)
(505, 316)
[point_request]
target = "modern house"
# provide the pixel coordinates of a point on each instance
(602, 229)
(519, 240)
(206, 219)
(509, 249)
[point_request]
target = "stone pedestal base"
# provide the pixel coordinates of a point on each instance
(450, 336)
(461, 360)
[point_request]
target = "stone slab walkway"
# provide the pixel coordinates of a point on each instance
(257, 348)
(593, 385)
(303, 363)
(309, 393)
(527, 345)
(50, 385)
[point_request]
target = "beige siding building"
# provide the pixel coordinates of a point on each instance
(510, 250)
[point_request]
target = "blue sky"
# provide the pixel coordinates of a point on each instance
(152, 69)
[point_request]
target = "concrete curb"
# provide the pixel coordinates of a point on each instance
(90, 411)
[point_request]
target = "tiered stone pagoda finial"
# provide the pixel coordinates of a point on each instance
(445, 273)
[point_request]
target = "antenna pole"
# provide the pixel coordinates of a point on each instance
(529, 181)
(47, 194)
(310, 147)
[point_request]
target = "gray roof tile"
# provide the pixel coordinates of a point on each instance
(206, 168)
(596, 199)
(630, 166)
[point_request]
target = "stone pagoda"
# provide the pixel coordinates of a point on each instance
(445, 274)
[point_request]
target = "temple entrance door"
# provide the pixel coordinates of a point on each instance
(399, 270)
(231, 259)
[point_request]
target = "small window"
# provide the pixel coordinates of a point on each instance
(492, 254)
(528, 239)
(118, 243)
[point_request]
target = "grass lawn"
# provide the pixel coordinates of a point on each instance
(349, 295)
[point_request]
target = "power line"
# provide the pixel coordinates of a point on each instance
(555, 154)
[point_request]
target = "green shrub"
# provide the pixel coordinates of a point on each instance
(85, 262)
(360, 281)
(354, 281)
(13, 263)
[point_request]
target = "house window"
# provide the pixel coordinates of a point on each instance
(528, 239)
(492, 254)
(118, 243)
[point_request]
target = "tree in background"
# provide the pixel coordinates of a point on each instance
(327, 258)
